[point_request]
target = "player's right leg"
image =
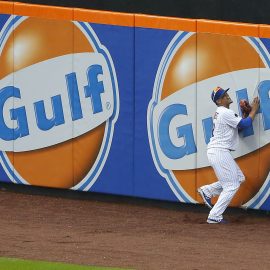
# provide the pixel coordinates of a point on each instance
(222, 203)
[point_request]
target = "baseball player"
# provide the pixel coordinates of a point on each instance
(224, 140)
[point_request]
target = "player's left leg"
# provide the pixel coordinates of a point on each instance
(212, 190)
(208, 191)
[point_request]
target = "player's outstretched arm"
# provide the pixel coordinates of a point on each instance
(255, 106)
(247, 121)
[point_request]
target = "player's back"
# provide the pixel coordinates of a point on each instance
(225, 131)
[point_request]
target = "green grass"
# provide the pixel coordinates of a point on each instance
(16, 264)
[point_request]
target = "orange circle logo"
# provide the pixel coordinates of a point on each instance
(181, 109)
(59, 102)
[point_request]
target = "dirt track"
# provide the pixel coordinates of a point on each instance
(123, 232)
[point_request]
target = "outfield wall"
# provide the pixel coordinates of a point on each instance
(120, 103)
(248, 11)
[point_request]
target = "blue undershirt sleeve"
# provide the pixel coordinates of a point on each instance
(245, 123)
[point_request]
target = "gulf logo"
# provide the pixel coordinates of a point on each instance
(180, 112)
(58, 102)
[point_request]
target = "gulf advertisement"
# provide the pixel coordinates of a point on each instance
(121, 103)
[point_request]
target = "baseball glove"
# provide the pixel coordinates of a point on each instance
(245, 107)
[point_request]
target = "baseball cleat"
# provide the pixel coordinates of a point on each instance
(206, 199)
(214, 221)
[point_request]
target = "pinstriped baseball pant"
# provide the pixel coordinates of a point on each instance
(229, 179)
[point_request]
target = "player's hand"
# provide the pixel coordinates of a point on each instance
(245, 108)
(255, 104)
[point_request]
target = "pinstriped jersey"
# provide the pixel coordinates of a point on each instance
(225, 131)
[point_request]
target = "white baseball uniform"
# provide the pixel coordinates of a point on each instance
(223, 141)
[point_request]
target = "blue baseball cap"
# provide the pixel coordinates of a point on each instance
(218, 93)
